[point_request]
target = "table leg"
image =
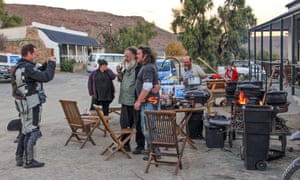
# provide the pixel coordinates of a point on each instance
(189, 140)
(181, 126)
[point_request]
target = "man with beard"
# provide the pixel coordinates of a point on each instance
(192, 74)
(129, 115)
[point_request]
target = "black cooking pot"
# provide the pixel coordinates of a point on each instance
(250, 90)
(199, 95)
(257, 83)
(254, 82)
(275, 96)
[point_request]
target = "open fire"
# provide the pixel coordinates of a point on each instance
(243, 100)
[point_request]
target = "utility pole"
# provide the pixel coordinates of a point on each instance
(110, 26)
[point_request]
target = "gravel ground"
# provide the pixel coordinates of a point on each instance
(71, 162)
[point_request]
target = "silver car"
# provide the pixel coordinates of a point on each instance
(7, 63)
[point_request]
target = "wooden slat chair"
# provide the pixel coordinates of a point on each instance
(93, 115)
(76, 121)
(115, 136)
(162, 132)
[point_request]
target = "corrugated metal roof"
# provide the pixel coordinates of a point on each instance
(66, 38)
(285, 17)
(292, 3)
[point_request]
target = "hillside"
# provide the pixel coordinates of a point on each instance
(83, 20)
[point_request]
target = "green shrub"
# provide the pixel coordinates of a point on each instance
(67, 65)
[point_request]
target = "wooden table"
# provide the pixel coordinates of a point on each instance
(182, 124)
(216, 86)
(112, 109)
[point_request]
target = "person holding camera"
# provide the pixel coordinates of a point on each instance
(27, 85)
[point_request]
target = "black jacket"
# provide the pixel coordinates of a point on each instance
(34, 75)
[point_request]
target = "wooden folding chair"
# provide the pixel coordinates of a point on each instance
(162, 130)
(76, 121)
(115, 136)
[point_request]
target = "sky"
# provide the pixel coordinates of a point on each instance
(157, 11)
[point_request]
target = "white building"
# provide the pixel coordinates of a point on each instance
(64, 44)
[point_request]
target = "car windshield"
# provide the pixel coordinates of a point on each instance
(163, 65)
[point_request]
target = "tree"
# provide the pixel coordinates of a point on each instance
(236, 19)
(2, 41)
(175, 49)
(198, 34)
(8, 21)
(217, 39)
(125, 37)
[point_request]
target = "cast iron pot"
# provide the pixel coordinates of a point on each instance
(276, 97)
(254, 82)
(199, 96)
(249, 90)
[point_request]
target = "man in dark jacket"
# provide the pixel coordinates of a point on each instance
(27, 79)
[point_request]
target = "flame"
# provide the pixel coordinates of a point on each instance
(242, 98)
(261, 103)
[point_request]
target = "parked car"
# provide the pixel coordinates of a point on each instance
(112, 59)
(7, 63)
(166, 70)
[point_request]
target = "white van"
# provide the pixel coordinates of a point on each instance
(7, 63)
(113, 60)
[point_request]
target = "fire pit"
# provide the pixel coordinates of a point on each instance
(246, 95)
(247, 99)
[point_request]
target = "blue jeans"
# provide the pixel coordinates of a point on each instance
(144, 107)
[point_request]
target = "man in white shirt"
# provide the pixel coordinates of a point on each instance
(192, 74)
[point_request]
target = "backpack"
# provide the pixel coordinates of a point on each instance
(16, 93)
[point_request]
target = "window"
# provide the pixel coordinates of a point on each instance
(3, 59)
(119, 59)
(163, 65)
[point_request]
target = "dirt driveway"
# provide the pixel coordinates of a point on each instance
(71, 162)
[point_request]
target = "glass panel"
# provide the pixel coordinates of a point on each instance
(119, 59)
(3, 59)
(163, 66)
(92, 58)
(108, 59)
